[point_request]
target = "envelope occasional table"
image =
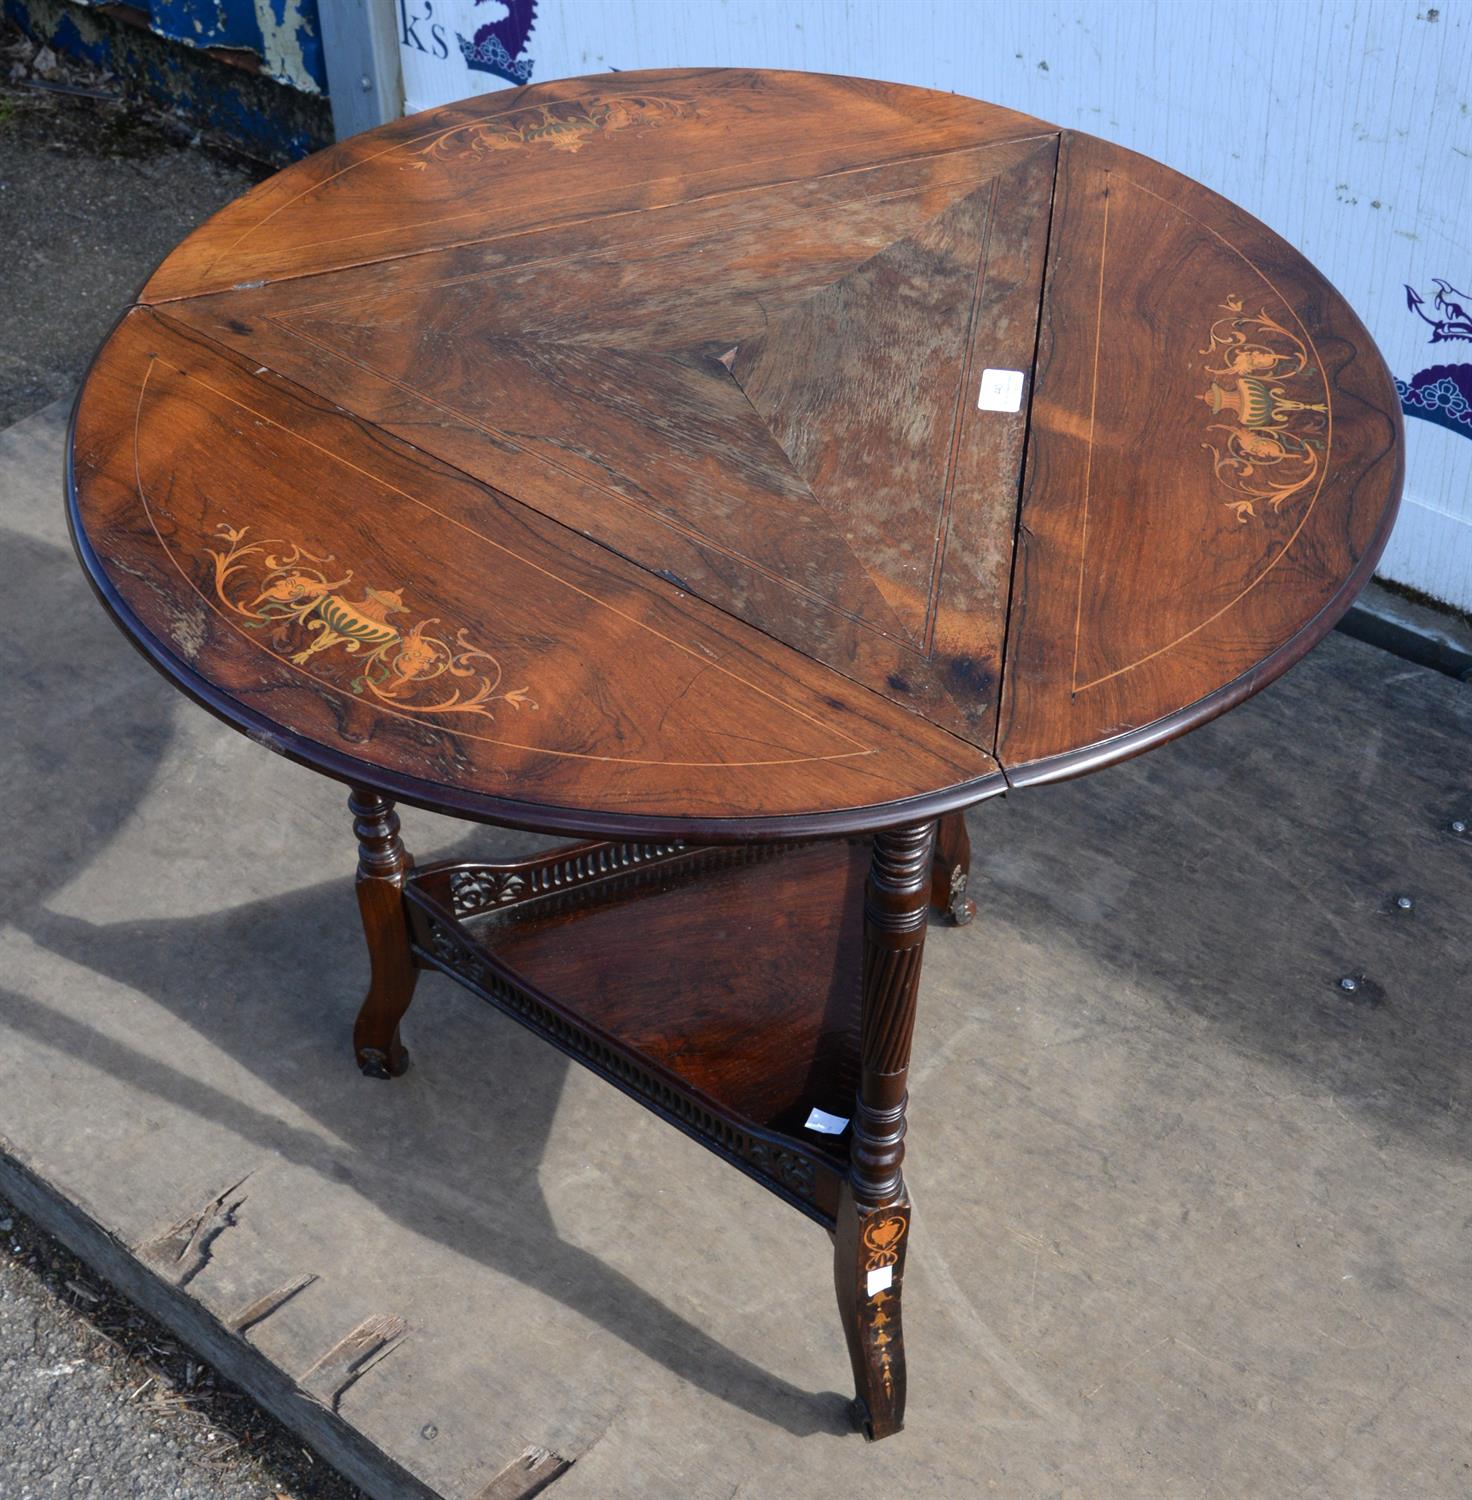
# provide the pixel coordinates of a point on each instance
(744, 473)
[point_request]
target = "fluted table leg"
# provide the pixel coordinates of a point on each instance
(874, 1211)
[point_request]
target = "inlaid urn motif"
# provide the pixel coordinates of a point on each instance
(303, 607)
(1273, 434)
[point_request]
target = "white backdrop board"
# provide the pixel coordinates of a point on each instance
(1346, 125)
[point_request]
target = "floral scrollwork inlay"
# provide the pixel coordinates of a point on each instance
(565, 125)
(301, 601)
(882, 1239)
(1270, 439)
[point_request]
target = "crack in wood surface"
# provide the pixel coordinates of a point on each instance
(528, 1474)
(351, 1357)
(184, 1250)
(261, 1308)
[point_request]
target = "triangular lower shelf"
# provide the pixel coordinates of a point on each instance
(718, 987)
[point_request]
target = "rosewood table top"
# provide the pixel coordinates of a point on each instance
(729, 454)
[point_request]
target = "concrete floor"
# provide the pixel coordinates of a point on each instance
(92, 197)
(1191, 1219)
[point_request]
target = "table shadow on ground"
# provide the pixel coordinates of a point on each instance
(297, 967)
(1170, 824)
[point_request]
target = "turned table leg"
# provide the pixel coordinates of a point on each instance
(383, 863)
(952, 870)
(873, 1210)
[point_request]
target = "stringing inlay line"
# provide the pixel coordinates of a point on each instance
(533, 455)
(705, 663)
(958, 417)
(1083, 546)
(1318, 488)
(556, 223)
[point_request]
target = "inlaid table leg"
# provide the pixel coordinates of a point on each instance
(873, 1210)
(952, 870)
(383, 863)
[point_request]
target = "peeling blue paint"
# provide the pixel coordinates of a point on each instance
(221, 99)
(309, 43)
(66, 38)
(284, 34)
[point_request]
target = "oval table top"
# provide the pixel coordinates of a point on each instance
(730, 454)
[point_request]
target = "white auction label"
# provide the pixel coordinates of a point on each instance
(881, 1278)
(826, 1124)
(1001, 390)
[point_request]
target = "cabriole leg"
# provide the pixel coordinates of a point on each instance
(382, 865)
(874, 1211)
(952, 870)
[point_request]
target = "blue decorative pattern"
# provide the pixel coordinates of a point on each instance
(1442, 394)
(498, 46)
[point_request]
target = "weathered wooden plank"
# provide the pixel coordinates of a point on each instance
(181, 1252)
(528, 1474)
(258, 1309)
(364, 1345)
(348, 1449)
(680, 274)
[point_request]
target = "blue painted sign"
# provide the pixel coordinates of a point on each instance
(1441, 393)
